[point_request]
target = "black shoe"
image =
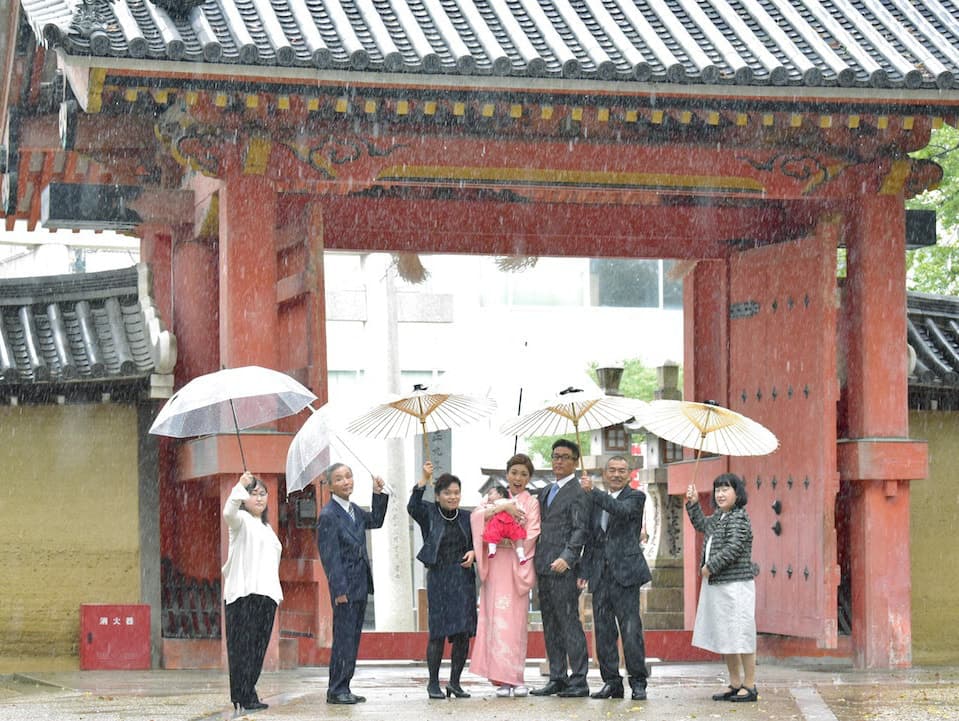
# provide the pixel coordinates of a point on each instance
(733, 690)
(343, 698)
(574, 692)
(609, 690)
(549, 689)
(434, 691)
(454, 689)
(253, 704)
(639, 693)
(751, 695)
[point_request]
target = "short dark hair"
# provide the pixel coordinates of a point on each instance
(520, 459)
(624, 459)
(445, 481)
(732, 481)
(566, 443)
(249, 489)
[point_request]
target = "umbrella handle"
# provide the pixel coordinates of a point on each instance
(426, 442)
(236, 427)
(582, 463)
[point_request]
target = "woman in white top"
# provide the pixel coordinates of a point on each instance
(251, 588)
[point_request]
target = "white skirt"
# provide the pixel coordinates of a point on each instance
(726, 617)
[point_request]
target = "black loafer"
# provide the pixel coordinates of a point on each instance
(343, 698)
(639, 694)
(574, 692)
(609, 690)
(549, 689)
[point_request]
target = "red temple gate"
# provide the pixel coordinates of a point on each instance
(245, 176)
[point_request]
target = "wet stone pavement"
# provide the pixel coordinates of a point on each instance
(396, 692)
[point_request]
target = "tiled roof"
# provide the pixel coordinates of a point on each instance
(933, 335)
(66, 330)
(908, 44)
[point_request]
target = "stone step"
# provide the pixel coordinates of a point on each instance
(665, 577)
(661, 599)
(662, 621)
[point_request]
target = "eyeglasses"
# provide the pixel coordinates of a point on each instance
(562, 457)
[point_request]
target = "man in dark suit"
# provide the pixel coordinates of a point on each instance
(614, 569)
(563, 521)
(341, 539)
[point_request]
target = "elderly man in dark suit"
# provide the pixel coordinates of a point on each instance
(341, 539)
(563, 521)
(614, 569)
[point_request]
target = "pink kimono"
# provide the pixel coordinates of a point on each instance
(499, 649)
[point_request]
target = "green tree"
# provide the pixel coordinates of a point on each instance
(936, 269)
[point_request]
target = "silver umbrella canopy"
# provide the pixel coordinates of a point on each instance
(229, 400)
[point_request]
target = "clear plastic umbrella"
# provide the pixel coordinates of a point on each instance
(306, 458)
(229, 400)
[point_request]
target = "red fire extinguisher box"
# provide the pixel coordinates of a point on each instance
(114, 637)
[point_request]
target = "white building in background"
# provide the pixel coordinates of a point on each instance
(26, 253)
(490, 332)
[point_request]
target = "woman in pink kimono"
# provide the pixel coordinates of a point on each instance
(499, 649)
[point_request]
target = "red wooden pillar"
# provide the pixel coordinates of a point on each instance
(877, 423)
(705, 316)
(248, 312)
(156, 243)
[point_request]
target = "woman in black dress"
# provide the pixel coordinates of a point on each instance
(447, 553)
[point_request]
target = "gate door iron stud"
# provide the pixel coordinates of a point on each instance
(805, 573)
(806, 483)
(777, 528)
(777, 507)
(774, 483)
(789, 571)
(759, 482)
(773, 570)
(789, 482)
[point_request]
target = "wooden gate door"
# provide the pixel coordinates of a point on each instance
(782, 373)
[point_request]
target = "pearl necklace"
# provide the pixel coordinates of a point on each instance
(450, 518)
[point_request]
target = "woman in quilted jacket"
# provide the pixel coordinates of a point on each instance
(726, 615)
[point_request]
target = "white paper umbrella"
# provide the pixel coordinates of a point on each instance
(575, 410)
(229, 400)
(709, 428)
(421, 412)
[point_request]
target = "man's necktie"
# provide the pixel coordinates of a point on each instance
(554, 489)
(604, 520)
(352, 514)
